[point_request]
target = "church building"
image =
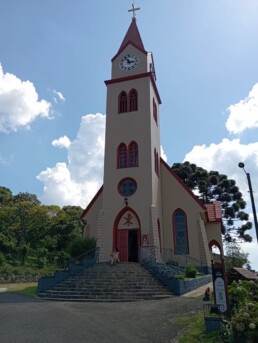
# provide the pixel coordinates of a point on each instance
(142, 202)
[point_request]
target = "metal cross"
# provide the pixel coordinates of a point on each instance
(134, 10)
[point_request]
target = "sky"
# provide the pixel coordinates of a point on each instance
(55, 56)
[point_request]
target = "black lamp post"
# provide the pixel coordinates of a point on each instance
(241, 165)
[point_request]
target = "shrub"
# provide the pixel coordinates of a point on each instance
(190, 271)
(172, 263)
(79, 246)
(243, 324)
(2, 259)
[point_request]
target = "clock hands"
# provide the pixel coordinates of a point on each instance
(129, 61)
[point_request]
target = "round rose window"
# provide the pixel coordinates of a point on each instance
(127, 187)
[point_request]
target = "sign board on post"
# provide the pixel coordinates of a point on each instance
(219, 285)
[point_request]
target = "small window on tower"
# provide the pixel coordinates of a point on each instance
(156, 162)
(122, 102)
(155, 113)
(133, 154)
(122, 156)
(133, 98)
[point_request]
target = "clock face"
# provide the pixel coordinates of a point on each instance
(129, 62)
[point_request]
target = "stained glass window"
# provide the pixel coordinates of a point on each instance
(180, 232)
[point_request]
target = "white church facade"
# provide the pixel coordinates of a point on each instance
(142, 202)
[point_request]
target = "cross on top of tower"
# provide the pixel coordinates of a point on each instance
(134, 9)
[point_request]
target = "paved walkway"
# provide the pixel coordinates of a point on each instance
(24, 319)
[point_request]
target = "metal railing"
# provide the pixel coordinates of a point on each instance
(176, 260)
(157, 267)
(92, 255)
(170, 256)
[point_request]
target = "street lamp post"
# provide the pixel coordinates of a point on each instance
(241, 165)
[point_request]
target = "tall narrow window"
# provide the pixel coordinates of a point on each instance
(133, 154)
(180, 232)
(122, 156)
(155, 113)
(133, 98)
(159, 234)
(122, 102)
(156, 162)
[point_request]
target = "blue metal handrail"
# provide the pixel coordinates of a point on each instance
(88, 255)
(175, 259)
(149, 257)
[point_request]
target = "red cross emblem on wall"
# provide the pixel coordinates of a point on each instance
(128, 219)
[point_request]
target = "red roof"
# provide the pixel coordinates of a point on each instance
(133, 37)
(214, 211)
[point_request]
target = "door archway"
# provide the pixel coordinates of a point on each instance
(126, 235)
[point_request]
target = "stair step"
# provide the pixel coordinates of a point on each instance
(103, 282)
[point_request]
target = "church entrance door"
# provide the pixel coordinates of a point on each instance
(132, 246)
(127, 245)
(127, 235)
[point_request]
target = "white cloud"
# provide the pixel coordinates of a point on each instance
(62, 142)
(77, 182)
(244, 114)
(58, 96)
(19, 103)
(224, 158)
(163, 154)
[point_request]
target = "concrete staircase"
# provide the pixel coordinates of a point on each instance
(103, 282)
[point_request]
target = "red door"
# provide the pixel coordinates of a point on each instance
(123, 245)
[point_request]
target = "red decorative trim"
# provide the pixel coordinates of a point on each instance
(135, 77)
(117, 220)
(216, 243)
(133, 101)
(125, 46)
(122, 102)
(120, 146)
(129, 155)
(92, 202)
(183, 185)
(155, 111)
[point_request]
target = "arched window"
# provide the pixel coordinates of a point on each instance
(155, 113)
(133, 100)
(122, 102)
(122, 156)
(133, 154)
(180, 232)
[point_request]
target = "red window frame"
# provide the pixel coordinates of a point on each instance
(133, 100)
(122, 156)
(133, 154)
(122, 102)
(155, 111)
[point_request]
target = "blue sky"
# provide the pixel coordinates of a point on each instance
(55, 56)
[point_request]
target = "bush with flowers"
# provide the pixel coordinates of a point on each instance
(242, 326)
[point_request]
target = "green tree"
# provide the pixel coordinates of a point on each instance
(6, 196)
(211, 186)
(235, 257)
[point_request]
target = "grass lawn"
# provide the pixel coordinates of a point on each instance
(194, 330)
(29, 288)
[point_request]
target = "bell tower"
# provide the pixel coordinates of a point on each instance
(131, 190)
